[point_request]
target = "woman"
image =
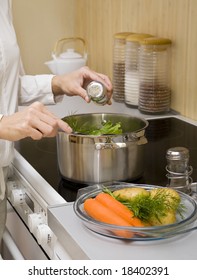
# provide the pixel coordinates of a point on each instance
(36, 121)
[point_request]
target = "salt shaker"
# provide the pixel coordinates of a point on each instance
(97, 92)
(178, 169)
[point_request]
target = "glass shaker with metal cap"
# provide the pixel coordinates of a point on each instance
(97, 92)
(178, 169)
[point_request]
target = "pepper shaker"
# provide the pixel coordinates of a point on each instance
(178, 169)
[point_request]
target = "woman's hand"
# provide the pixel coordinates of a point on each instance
(75, 83)
(36, 121)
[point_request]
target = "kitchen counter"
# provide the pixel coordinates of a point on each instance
(76, 105)
(81, 243)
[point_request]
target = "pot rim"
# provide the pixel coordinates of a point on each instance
(146, 123)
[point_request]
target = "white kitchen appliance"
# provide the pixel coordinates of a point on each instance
(27, 234)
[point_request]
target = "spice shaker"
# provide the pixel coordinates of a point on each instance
(178, 169)
(97, 92)
(154, 72)
(119, 65)
(132, 68)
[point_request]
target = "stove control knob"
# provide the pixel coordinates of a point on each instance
(17, 197)
(34, 220)
(11, 185)
(44, 235)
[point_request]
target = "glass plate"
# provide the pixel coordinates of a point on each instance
(182, 225)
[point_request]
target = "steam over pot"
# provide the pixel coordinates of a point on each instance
(97, 159)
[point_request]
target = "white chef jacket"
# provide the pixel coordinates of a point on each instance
(15, 87)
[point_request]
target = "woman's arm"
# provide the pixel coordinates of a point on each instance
(50, 89)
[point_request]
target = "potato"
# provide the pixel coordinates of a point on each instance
(129, 193)
(172, 196)
(169, 218)
(156, 207)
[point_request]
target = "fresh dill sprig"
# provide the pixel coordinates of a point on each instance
(147, 206)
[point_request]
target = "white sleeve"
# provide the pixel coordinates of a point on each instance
(37, 88)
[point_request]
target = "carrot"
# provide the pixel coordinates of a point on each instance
(101, 213)
(119, 208)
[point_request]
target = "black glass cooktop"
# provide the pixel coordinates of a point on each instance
(161, 134)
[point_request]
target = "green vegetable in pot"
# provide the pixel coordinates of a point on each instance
(105, 128)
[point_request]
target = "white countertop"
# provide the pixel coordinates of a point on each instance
(76, 105)
(81, 243)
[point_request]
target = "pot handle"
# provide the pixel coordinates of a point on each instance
(143, 140)
(57, 44)
(139, 139)
(111, 146)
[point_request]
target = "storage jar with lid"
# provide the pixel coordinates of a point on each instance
(132, 68)
(119, 65)
(154, 72)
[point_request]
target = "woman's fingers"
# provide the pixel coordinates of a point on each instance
(75, 83)
(36, 121)
(47, 123)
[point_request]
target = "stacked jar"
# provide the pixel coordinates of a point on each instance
(132, 68)
(119, 66)
(154, 71)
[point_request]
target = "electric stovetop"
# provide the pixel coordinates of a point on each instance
(162, 134)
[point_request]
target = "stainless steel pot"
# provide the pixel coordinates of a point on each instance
(98, 159)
